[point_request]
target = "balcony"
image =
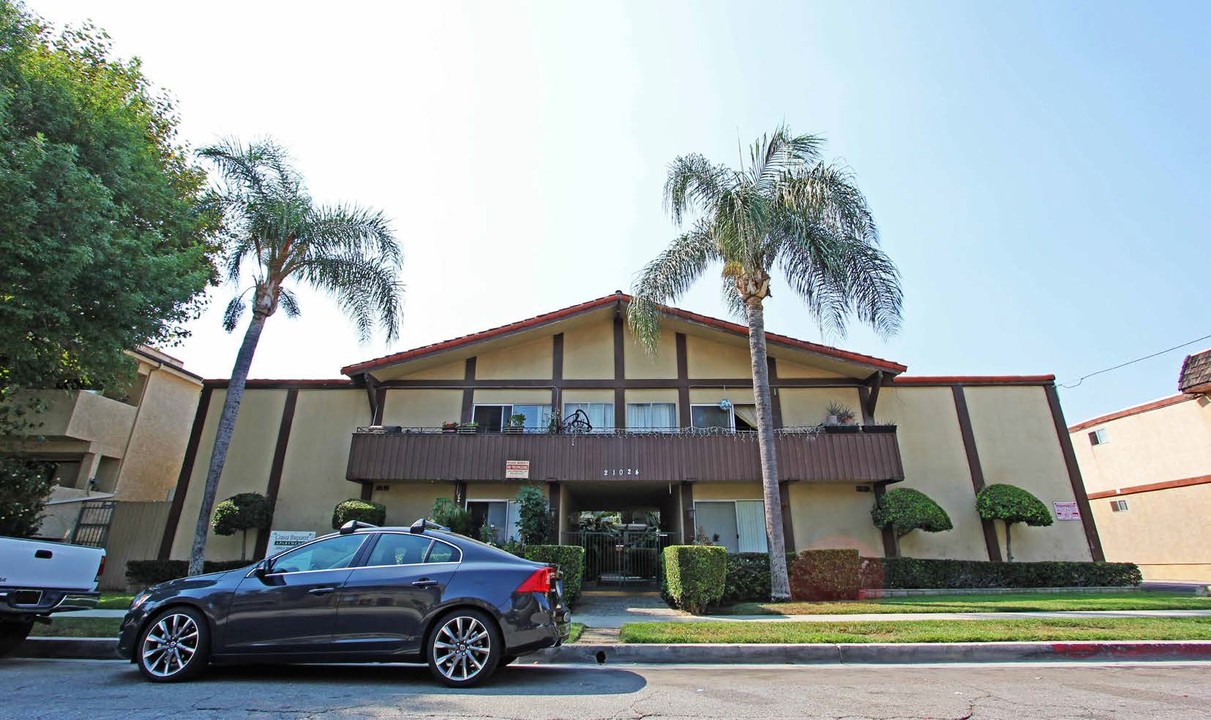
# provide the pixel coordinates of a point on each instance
(813, 454)
(83, 415)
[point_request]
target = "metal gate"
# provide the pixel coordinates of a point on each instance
(622, 557)
(92, 524)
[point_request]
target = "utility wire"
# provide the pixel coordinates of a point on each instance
(1132, 362)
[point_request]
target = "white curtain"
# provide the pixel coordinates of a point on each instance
(601, 415)
(651, 416)
(747, 413)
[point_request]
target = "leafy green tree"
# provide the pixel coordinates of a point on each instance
(361, 510)
(533, 516)
(1011, 504)
(276, 235)
(240, 513)
(903, 510)
(785, 212)
(105, 243)
(448, 513)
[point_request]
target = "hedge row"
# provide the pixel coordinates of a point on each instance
(569, 558)
(826, 575)
(694, 575)
(145, 573)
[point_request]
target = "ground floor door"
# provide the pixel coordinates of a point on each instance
(738, 525)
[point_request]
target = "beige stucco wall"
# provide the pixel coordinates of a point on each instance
(246, 470)
(406, 502)
(788, 369)
(518, 396)
(1016, 439)
(1170, 443)
(152, 461)
(709, 359)
(832, 517)
(531, 360)
(447, 371)
(741, 395)
(727, 491)
(588, 396)
(935, 462)
(499, 490)
(1164, 532)
(588, 351)
(808, 406)
(420, 407)
(639, 363)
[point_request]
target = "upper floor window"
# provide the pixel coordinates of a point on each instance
(1098, 437)
(1118, 505)
(651, 416)
(495, 418)
(601, 415)
(712, 416)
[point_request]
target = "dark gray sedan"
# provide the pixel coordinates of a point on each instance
(365, 594)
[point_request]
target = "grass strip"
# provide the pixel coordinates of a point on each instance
(575, 631)
(110, 601)
(1018, 602)
(78, 627)
(920, 631)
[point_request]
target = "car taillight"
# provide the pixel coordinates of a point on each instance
(100, 568)
(539, 582)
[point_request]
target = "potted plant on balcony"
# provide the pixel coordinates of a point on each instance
(450, 427)
(517, 423)
(840, 418)
(468, 428)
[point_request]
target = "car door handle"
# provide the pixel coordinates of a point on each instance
(321, 591)
(424, 583)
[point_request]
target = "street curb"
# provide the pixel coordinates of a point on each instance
(769, 654)
(875, 653)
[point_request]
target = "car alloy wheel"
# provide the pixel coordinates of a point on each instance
(174, 646)
(464, 649)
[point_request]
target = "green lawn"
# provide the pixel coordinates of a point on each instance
(920, 631)
(79, 627)
(576, 631)
(1019, 602)
(923, 631)
(112, 601)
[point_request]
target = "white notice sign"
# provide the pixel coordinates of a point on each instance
(517, 469)
(282, 540)
(1067, 511)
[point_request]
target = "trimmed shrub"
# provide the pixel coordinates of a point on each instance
(1011, 504)
(240, 513)
(569, 558)
(694, 575)
(145, 573)
(534, 521)
(748, 577)
(826, 575)
(360, 510)
(907, 573)
(904, 510)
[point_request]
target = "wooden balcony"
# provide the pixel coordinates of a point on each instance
(817, 455)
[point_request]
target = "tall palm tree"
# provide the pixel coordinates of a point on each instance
(275, 234)
(786, 211)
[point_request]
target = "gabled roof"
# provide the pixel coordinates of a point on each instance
(1196, 373)
(618, 299)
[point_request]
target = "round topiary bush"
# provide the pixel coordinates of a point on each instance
(361, 510)
(904, 510)
(1011, 504)
(241, 513)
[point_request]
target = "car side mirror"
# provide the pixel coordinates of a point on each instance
(262, 569)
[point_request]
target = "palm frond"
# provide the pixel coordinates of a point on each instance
(780, 153)
(366, 289)
(694, 183)
(233, 313)
(668, 277)
(289, 302)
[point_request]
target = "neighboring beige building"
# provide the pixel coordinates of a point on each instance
(1147, 470)
(668, 442)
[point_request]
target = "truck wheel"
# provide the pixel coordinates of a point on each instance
(174, 646)
(12, 634)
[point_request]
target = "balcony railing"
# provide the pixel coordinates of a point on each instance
(840, 454)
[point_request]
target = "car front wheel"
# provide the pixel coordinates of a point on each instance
(464, 649)
(174, 646)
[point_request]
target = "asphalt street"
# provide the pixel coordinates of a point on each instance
(104, 690)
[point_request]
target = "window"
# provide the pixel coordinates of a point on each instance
(329, 554)
(494, 418)
(601, 415)
(1118, 505)
(651, 416)
(712, 416)
(442, 552)
(500, 514)
(1098, 437)
(399, 549)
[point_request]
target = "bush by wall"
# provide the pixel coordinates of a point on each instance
(826, 575)
(569, 558)
(145, 573)
(360, 510)
(902, 573)
(748, 577)
(694, 575)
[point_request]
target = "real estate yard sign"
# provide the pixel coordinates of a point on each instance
(1067, 511)
(282, 540)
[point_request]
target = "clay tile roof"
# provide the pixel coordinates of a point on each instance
(618, 297)
(1196, 373)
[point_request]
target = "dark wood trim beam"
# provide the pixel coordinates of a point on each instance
(775, 399)
(279, 461)
(460, 493)
(891, 543)
(683, 382)
(372, 398)
(367, 491)
(687, 513)
(381, 397)
(182, 489)
(553, 492)
(608, 384)
(788, 520)
(863, 404)
(557, 374)
(468, 390)
(874, 383)
(620, 375)
(1074, 475)
(991, 541)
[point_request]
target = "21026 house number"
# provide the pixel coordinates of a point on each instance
(620, 472)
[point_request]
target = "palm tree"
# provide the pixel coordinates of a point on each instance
(786, 211)
(276, 234)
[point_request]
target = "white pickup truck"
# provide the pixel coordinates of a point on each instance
(40, 578)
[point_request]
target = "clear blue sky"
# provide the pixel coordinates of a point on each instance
(1040, 171)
